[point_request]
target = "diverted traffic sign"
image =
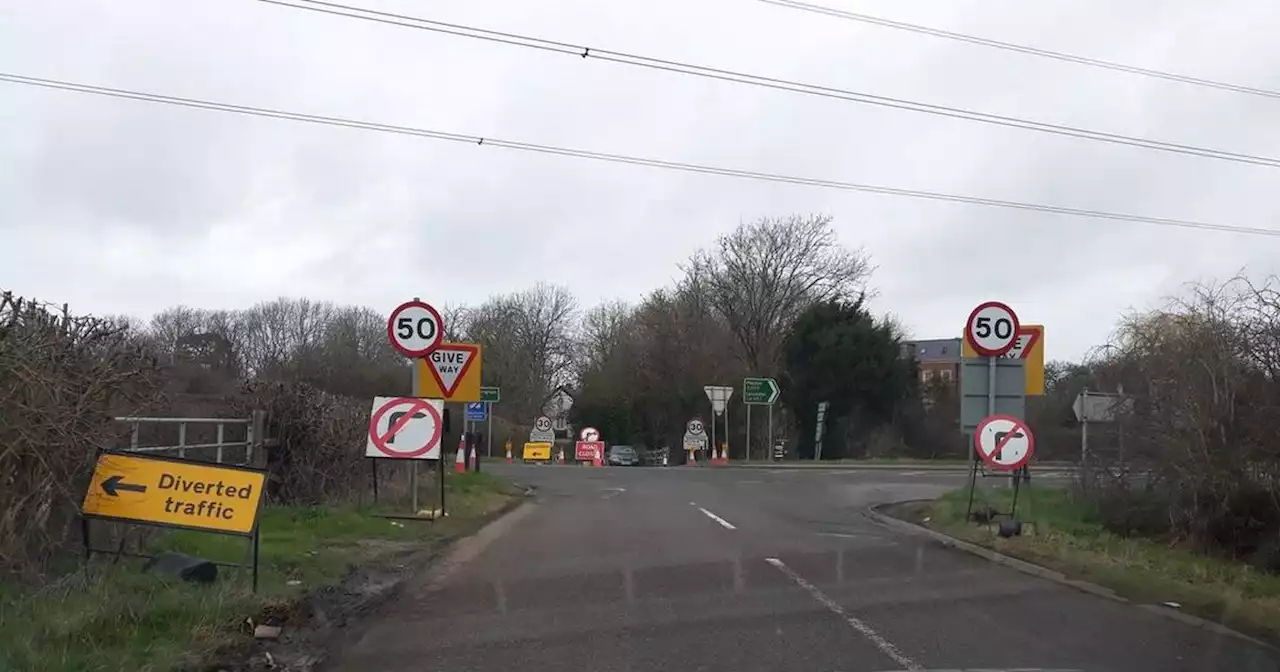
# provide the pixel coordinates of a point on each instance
(760, 391)
(537, 450)
(451, 372)
(405, 428)
(477, 411)
(174, 493)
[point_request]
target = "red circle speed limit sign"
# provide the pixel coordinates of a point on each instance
(992, 329)
(415, 329)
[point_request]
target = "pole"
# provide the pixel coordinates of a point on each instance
(726, 428)
(769, 434)
(768, 444)
(713, 428)
(991, 386)
(488, 436)
(440, 470)
(413, 464)
(748, 458)
(1084, 439)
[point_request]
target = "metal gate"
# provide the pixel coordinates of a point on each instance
(234, 441)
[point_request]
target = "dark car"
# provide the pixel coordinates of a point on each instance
(623, 456)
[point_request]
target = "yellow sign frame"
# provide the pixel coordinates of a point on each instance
(1033, 358)
(129, 487)
(536, 450)
(427, 386)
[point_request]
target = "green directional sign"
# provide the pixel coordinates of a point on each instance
(760, 391)
(491, 395)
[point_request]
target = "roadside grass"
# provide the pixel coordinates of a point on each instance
(111, 616)
(1066, 536)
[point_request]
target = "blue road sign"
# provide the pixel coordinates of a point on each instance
(477, 411)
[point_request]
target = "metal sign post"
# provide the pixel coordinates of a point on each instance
(991, 331)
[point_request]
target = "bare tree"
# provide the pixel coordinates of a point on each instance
(763, 274)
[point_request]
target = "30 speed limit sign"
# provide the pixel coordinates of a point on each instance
(992, 329)
(415, 328)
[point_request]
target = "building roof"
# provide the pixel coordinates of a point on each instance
(933, 350)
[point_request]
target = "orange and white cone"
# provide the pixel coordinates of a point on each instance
(508, 454)
(560, 456)
(693, 457)
(460, 464)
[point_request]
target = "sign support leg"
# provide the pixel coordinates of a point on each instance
(726, 428)
(413, 485)
(1084, 440)
(973, 479)
(488, 438)
(769, 434)
(440, 470)
(257, 542)
(713, 430)
(373, 463)
(748, 457)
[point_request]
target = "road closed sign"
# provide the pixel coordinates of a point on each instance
(174, 493)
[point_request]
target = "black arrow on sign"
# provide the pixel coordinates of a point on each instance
(112, 486)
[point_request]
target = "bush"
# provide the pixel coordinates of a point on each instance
(62, 378)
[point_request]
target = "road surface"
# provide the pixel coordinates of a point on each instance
(705, 569)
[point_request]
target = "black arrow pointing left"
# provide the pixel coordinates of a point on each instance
(113, 486)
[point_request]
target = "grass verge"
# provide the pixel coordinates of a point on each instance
(112, 616)
(1066, 536)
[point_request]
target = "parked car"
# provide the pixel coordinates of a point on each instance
(623, 456)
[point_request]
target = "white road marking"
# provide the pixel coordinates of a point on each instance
(886, 647)
(727, 525)
(914, 473)
(610, 493)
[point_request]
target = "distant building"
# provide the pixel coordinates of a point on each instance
(939, 358)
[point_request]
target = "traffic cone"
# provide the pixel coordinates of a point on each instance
(693, 457)
(664, 459)
(460, 464)
(508, 453)
(560, 457)
(475, 456)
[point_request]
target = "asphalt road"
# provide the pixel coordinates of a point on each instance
(706, 569)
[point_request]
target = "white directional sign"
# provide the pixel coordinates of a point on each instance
(415, 328)
(405, 428)
(1100, 407)
(589, 434)
(1004, 442)
(719, 396)
(992, 329)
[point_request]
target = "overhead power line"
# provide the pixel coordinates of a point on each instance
(584, 52)
(485, 141)
(1021, 48)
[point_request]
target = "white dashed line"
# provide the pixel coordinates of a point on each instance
(726, 524)
(886, 647)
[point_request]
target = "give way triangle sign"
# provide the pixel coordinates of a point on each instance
(448, 364)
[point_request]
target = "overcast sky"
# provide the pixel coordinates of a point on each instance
(127, 207)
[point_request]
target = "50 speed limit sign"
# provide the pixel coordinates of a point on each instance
(415, 328)
(992, 329)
